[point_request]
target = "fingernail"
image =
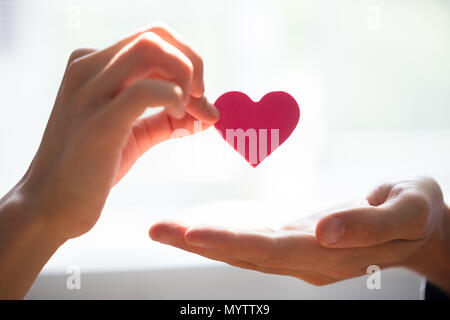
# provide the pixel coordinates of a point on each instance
(213, 111)
(333, 231)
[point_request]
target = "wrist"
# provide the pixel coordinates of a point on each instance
(36, 220)
(26, 243)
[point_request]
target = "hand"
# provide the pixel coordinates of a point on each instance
(94, 135)
(399, 224)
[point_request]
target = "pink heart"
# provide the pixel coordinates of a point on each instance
(256, 129)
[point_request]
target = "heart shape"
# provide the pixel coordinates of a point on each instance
(256, 129)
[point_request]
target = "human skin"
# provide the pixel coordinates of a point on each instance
(94, 135)
(400, 224)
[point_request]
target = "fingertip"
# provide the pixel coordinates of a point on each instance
(203, 110)
(166, 230)
(153, 232)
(156, 231)
(214, 112)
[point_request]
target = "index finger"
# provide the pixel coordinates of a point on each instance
(175, 39)
(287, 249)
(99, 59)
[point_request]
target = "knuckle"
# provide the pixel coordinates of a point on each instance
(74, 67)
(75, 71)
(420, 203)
(145, 46)
(77, 53)
(159, 26)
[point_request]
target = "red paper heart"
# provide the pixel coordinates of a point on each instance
(256, 129)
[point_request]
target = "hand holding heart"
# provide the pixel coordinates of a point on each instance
(95, 133)
(93, 137)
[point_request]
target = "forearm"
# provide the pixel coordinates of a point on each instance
(26, 244)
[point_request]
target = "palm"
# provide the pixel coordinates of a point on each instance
(389, 228)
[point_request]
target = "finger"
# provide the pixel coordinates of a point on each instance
(101, 58)
(403, 217)
(175, 39)
(286, 249)
(295, 250)
(79, 53)
(148, 54)
(173, 234)
(298, 252)
(201, 109)
(160, 127)
(75, 55)
(132, 102)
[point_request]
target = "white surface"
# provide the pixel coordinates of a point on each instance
(219, 283)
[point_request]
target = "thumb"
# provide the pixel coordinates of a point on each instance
(403, 217)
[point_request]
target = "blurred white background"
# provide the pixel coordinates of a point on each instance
(372, 79)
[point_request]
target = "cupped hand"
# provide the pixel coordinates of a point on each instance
(404, 223)
(96, 133)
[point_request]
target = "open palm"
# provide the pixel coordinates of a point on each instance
(391, 227)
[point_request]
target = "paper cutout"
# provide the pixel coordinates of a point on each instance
(256, 129)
